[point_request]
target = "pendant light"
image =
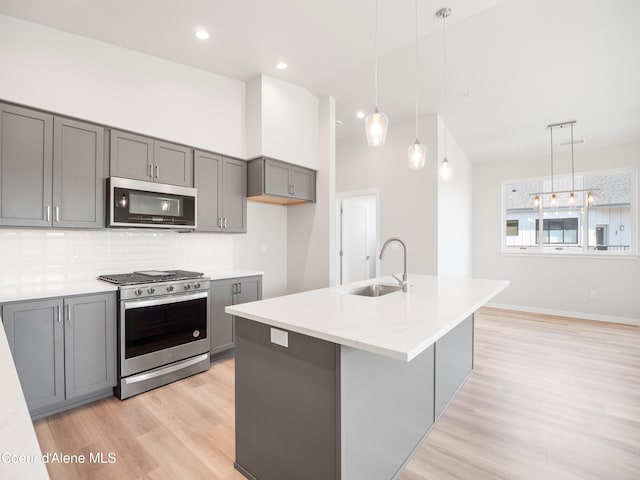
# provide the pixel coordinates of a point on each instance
(376, 123)
(553, 199)
(417, 151)
(445, 168)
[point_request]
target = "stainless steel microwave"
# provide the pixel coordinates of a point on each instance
(135, 203)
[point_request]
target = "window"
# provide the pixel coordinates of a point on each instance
(605, 224)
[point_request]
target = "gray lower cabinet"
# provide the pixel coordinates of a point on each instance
(222, 193)
(231, 291)
(26, 144)
(51, 170)
(274, 181)
(143, 158)
(64, 349)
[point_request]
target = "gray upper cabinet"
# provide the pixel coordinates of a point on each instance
(64, 349)
(224, 293)
(222, 193)
(26, 143)
(234, 195)
(78, 176)
(36, 340)
(143, 158)
(173, 164)
(273, 181)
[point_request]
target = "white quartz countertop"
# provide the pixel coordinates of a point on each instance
(399, 325)
(20, 455)
(31, 290)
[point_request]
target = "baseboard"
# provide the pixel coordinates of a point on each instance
(565, 313)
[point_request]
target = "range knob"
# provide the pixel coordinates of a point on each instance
(170, 288)
(196, 285)
(138, 291)
(150, 290)
(187, 286)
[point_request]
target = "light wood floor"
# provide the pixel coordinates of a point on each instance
(550, 398)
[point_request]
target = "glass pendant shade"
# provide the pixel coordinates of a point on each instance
(445, 170)
(536, 201)
(417, 155)
(554, 200)
(590, 198)
(572, 199)
(376, 125)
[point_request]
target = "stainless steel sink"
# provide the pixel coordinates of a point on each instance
(374, 290)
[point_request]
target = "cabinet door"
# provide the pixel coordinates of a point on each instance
(35, 334)
(131, 156)
(249, 290)
(26, 140)
(173, 164)
(208, 180)
(78, 177)
(90, 348)
(234, 195)
(303, 183)
(222, 293)
(276, 178)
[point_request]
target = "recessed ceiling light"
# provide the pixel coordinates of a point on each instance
(281, 66)
(360, 114)
(202, 34)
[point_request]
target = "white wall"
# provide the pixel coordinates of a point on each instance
(282, 121)
(311, 226)
(264, 247)
(408, 198)
(553, 284)
(454, 209)
(76, 76)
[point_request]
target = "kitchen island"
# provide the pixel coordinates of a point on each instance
(335, 385)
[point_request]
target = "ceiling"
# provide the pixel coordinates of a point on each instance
(513, 66)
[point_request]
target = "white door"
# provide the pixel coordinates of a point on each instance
(358, 239)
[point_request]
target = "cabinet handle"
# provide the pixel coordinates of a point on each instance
(58, 308)
(67, 306)
(240, 288)
(150, 170)
(293, 189)
(225, 222)
(219, 222)
(57, 213)
(234, 288)
(48, 213)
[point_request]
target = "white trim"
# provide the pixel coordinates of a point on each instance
(564, 313)
(534, 253)
(359, 193)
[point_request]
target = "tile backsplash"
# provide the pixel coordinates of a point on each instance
(29, 255)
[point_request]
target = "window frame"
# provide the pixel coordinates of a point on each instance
(538, 250)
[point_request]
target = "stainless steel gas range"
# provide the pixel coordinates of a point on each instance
(163, 328)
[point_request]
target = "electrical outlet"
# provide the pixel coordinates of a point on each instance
(280, 337)
(594, 294)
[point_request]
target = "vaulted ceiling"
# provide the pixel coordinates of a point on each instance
(513, 66)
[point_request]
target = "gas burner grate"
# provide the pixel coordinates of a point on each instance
(150, 276)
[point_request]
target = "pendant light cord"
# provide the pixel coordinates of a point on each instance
(375, 56)
(444, 79)
(552, 189)
(573, 174)
(416, 79)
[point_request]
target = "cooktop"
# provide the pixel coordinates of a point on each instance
(149, 276)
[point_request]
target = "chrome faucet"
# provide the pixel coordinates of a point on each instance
(402, 282)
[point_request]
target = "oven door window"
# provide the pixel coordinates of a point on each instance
(154, 328)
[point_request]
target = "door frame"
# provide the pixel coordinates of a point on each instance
(375, 192)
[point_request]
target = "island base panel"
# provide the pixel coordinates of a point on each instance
(286, 405)
(454, 362)
(387, 407)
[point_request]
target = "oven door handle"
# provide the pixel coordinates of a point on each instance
(129, 304)
(163, 371)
